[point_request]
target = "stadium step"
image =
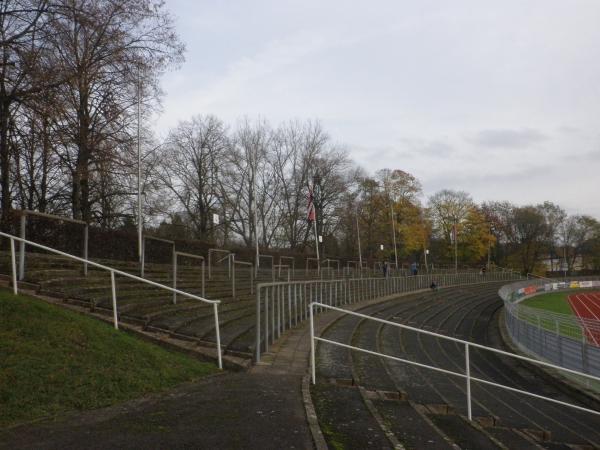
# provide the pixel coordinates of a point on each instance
(403, 398)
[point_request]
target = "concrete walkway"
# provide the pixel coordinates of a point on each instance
(262, 408)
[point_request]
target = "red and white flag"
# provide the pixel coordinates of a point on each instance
(312, 215)
(453, 234)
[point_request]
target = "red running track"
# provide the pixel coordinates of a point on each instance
(587, 306)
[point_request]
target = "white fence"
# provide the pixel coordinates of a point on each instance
(467, 345)
(559, 338)
(281, 305)
(113, 272)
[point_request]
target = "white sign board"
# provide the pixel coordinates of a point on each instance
(216, 219)
(320, 238)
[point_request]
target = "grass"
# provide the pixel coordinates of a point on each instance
(556, 302)
(54, 360)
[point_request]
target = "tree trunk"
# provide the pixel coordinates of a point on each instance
(5, 201)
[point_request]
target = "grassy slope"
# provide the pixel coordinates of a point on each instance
(53, 360)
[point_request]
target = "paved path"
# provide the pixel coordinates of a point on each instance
(262, 408)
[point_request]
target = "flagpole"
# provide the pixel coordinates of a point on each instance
(394, 233)
(317, 243)
(359, 250)
(139, 177)
(257, 256)
(312, 217)
(455, 248)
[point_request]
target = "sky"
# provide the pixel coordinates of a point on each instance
(497, 98)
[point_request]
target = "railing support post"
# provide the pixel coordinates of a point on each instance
(143, 256)
(13, 264)
(266, 317)
(86, 238)
(232, 274)
(174, 276)
(114, 299)
(258, 324)
(312, 345)
(22, 247)
(218, 334)
(203, 280)
(468, 373)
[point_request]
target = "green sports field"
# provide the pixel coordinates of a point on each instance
(556, 302)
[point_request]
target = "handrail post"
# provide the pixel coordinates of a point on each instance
(232, 257)
(209, 271)
(86, 238)
(174, 276)
(312, 345)
(267, 316)
(468, 373)
(218, 335)
(258, 324)
(143, 256)
(230, 266)
(252, 280)
(14, 265)
(203, 283)
(114, 299)
(22, 247)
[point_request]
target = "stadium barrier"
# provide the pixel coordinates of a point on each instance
(557, 338)
(467, 346)
(285, 304)
(112, 272)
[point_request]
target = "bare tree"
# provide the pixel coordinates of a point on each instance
(23, 72)
(107, 48)
(191, 167)
(296, 147)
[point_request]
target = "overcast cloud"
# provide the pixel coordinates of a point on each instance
(501, 99)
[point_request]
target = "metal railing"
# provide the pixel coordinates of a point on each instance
(270, 257)
(279, 267)
(241, 263)
(327, 262)
(467, 346)
(211, 251)
(284, 304)
(26, 212)
(566, 340)
(144, 239)
(288, 258)
(113, 272)
(176, 254)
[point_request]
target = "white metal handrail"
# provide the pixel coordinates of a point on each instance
(270, 257)
(279, 267)
(288, 258)
(153, 238)
(467, 375)
(114, 272)
(284, 304)
(218, 250)
(328, 260)
(241, 263)
(176, 254)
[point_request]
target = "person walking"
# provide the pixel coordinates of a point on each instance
(414, 268)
